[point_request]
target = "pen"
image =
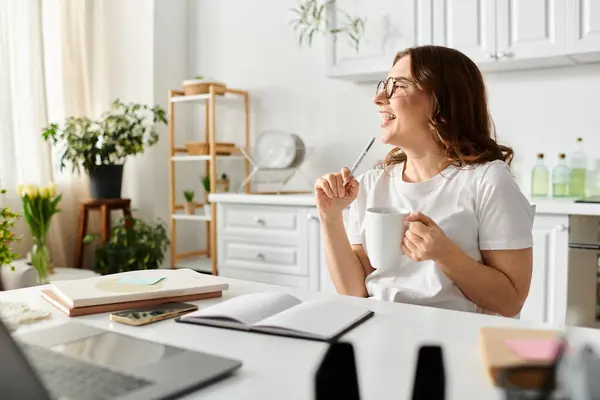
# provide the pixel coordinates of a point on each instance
(360, 158)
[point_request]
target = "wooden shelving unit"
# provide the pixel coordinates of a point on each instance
(179, 154)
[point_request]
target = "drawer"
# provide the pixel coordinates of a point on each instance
(263, 257)
(262, 220)
(301, 282)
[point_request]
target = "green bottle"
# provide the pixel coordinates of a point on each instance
(539, 178)
(578, 171)
(561, 178)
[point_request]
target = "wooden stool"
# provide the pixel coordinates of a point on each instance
(105, 206)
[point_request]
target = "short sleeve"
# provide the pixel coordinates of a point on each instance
(504, 214)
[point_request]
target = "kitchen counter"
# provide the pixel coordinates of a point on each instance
(543, 206)
(274, 199)
(565, 207)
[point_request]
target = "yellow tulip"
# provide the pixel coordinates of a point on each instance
(52, 189)
(20, 190)
(31, 191)
(44, 192)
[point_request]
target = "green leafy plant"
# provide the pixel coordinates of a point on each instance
(189, 195)
(206, 183)
(311, 17)
(126, 129)
(8, 219)
(133, 245)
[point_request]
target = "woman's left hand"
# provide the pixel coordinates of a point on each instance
(425, 240)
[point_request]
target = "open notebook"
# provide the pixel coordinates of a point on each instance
(282, 314)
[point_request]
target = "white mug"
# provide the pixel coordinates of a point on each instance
(384, 231)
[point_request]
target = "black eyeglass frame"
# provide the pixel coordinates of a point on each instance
(390, 84)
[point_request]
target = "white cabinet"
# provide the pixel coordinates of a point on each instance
(530, 29)
(547, 293)
(497, 34)
(583, 28)
(466, 25)
(502, 34)
(391, 25)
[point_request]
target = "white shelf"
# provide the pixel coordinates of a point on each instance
(199, 98)
(194, 217)
(205, 158)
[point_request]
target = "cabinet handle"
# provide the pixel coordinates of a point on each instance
(261, 256)
(561, 228)
(313, 217)
(492, 55)
(259, 220)
(504, 55)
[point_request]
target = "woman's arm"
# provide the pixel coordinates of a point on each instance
(344, 261)
(501, 285)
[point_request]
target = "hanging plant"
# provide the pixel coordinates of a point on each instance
(311, 18)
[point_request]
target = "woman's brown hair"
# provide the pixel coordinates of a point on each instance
(459, 118)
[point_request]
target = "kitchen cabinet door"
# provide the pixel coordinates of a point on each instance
(583, 26)
(530, 29)
(549, 275)
(390, 26)
(466, 25)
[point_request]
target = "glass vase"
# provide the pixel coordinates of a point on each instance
(40, 259)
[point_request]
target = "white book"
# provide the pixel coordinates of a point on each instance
(127, 286)
(282, 314)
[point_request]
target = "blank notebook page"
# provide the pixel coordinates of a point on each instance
(320, 318)
(249, 308)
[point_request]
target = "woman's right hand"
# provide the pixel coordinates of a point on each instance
(332, 196)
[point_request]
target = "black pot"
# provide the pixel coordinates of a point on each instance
(105, 182)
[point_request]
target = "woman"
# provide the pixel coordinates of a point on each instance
(468, 245)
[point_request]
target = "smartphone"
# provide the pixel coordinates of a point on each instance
(147, 315)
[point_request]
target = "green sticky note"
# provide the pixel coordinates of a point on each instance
(140, 280)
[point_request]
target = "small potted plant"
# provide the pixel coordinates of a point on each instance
(133, 245)
(100, 147)
(190, 204)
(206, 185)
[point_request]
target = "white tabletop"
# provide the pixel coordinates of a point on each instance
(283, 368)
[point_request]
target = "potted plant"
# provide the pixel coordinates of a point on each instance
(190, 204)
(39, 206)
(100, 147)
(8, 219)
(206, 185)
(133, 245)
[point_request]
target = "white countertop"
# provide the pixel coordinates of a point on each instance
(272, 199)
(543, 206)
(283, 368)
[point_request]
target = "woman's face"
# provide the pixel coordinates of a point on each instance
(404, 116)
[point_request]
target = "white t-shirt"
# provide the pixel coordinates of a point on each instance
(478, 207)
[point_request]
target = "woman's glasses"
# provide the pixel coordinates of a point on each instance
(391, 84)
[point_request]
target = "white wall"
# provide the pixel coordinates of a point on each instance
(250, 45)
(147, 55)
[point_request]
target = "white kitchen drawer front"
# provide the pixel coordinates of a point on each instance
(301, 282)
(278, 221)
(264, 257)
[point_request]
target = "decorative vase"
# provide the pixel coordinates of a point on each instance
(106, 182)
(40, 259)
(190, 207)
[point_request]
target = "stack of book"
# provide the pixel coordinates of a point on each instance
(132, 289)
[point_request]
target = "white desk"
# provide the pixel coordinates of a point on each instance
(282, 368)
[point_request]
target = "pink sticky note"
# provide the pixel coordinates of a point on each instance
(534, 349)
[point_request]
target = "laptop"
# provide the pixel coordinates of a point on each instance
(77, 361)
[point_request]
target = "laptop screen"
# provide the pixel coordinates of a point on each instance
(117, 351)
